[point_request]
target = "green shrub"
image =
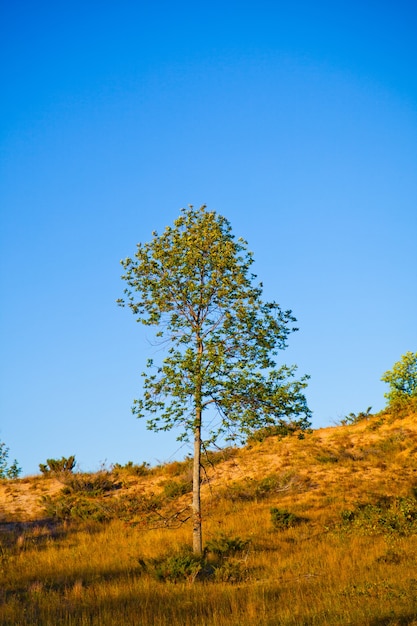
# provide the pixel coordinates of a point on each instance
(182, 566)
(90, 484)
(390, 515)
(58, 466)
(186, 566)
(223, 546)
(88, 498)
(7, 471)
(281, 518)
(175, 488)
(283, 429)
(353, 418)
(132, 468)
(76, 507)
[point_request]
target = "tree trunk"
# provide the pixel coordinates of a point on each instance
(197, 534)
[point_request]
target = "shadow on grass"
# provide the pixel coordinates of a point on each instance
(400, 620)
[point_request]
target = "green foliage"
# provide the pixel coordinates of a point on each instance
(132, 469)
(8, 471)
(194, 283)
(221, 545)
(282, 519)
(175, 488)
(215, 565)
(354, 418)
(392, 515)
(58, 466)
(402, 380)
(91, 484)
(178, 567)
(98, 507)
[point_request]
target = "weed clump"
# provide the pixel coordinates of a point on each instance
(282, 519)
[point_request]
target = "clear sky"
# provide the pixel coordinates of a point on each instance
(295, 120)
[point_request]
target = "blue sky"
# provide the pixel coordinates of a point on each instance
(297, 121)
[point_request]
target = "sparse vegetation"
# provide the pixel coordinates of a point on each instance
(299, 540)
(65, 465)
(354, 418)
(132, 469)
(8, 471)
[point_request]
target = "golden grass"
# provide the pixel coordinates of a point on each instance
(318, 572)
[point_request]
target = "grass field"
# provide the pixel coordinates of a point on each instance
(313, 531)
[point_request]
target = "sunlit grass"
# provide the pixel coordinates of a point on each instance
(317, 572)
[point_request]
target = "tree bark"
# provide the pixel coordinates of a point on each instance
(197, 534)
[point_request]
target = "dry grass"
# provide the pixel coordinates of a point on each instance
(319, 572)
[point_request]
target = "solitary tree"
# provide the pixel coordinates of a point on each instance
(194, 284)
(402, 380)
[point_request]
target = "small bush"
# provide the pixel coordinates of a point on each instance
(178, 567)
(281, 518)
(175, 488)
(279, 430)
(58, 466)
(86, 499)
(91, 484)
(132, 469)
(186, 566)
(76, 507)
(387, 515)
(223, 546)
(353, 418)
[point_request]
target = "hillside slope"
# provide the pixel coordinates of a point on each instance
(343, 464)
(318, 531)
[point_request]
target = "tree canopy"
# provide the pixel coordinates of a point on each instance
(6, 470)
(194, 284)
(402, 379)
